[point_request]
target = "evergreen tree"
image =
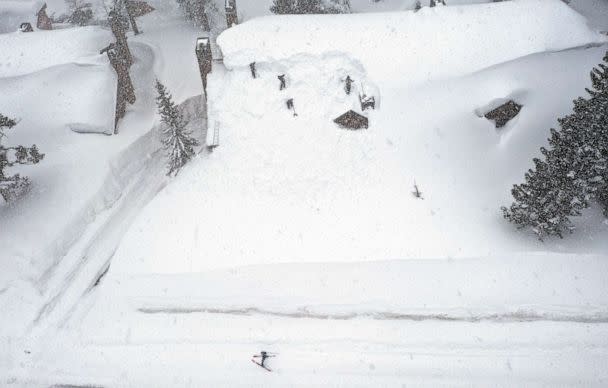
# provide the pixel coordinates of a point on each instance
(309, 6)
(597, 134)
(12, 186)
(196, 11)
(282, 7)
(574, 169)
(177, 140)
(80, 12)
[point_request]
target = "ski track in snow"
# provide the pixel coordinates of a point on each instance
(521, 316)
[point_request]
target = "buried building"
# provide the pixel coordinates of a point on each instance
(504, 113)
(352, 120)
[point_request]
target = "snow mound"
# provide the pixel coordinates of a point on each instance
(24, 53)
(432, 43)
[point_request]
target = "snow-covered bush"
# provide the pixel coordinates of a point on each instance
(573, 170)
(11, 187)
(177, 140)
(309, 6)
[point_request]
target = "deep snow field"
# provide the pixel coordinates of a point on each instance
(295, 236)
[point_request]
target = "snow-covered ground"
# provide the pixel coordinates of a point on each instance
(293, 235)
(305, 190)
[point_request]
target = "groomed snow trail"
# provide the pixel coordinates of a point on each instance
(196, 350)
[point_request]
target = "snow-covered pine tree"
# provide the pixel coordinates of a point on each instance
(177, 140)
(283, 7)
(574, 170)
(11, 187)
(309, 6)
(196, 11)
(80, 12)
(598, 134)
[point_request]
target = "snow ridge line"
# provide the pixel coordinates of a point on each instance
(516, 316)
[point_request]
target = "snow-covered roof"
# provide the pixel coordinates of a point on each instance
(430, 43)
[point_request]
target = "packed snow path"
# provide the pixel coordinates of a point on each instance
(197, 350)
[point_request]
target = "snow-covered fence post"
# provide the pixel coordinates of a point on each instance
(231, 15)
(205, 59)
(125, 93)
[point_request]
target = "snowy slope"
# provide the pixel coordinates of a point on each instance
(285, 189)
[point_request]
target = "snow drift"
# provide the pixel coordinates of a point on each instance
(432, 43)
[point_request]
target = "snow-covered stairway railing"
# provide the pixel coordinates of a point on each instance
(213, 136)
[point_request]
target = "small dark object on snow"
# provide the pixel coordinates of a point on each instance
(281, 78)
(348, 84)
(26, 27)
(417, 193)
(252, 68)
(367, 102)
(504, 113)
(263, 355)
(291, 106)
(352, 120)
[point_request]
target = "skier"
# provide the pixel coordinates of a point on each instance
(282, 80)
(263, 355)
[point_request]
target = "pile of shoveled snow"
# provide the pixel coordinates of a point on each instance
(413, 47)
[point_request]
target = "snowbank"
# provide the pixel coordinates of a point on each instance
(81, 175)
(432, 43)
(24, 53)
